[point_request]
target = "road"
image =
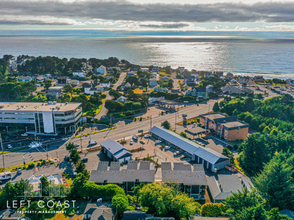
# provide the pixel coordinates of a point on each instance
(103, 111)
(122, 131)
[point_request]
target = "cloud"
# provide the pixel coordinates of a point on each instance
(31, 22)
(170, 26)
(127, 11)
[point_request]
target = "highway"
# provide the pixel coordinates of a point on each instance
(57, 147)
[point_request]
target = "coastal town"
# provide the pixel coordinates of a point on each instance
(127, 141)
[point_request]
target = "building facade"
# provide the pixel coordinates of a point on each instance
(41, 118)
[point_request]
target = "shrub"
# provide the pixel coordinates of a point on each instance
(213, 209)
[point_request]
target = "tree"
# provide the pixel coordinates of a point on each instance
(275, 183)
(133, 80)
(70, 146)
(166, 125)
(183, 134)
(39, 98)
(48, 83)
(216, 107)
(184, 206)
(120, 203)
(81, 168)
(274, 214)
(69, 89)
(77, 190)
(74, 156)
(213, 209)
(37, 213)
(44, 186)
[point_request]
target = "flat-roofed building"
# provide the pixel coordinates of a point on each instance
(41, 118)
(191, 180)
(227, 127)
(135, 174)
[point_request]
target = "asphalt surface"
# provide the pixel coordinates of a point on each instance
(57, 147)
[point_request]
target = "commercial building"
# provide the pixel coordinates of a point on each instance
(135, 174)
(41, 118)
(227, 127)
(115, 151)
(191, 180)
(210, 159)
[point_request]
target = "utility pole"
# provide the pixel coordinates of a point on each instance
(175, 121)
(150, 121)
(81, 143)
(2, 150)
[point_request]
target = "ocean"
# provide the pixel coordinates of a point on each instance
(247, 53)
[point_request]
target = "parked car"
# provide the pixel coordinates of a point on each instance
(66, 158)
(131, 142)
(9, 146)
(147, 136)
(24, 135)
(142, 142)
(19, 171)
(135, 137)
(75, 174)
(85, 159)
(158, 142)
(92, 142)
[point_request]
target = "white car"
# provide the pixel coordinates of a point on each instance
(24, 135)
(158, 142)
(147, 136)
(131, 142)
(9, 146)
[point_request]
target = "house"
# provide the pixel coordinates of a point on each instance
(188, 79)
(10, 214)
(242, 79)
(233, 90)
(195, 74)
(125, 85)
(96, 89)
(182, 69)
(54, 92)
(222, 186)
(122, 99)
(81, 74)
(165, 78)
(160, 89)
(112, 68)
(152, 100)
(227, 127)
(40, 78)
(144, 69)
(152, 82)
(230, 76)
(197, 92)
(73, 82)
(154, 75)
(155, 69)
(258, 78)
(87, 85)
(105, 84)
(134, 215)
(290, 82)
(62, 80)
(209, 88)
(108, 77)
(25, 79)
(185, 87)
(192, 180)
(132, 74)
(115, 151)
(95, 212)
(218, 73)
(210, 159)
(101, 70)
(135, 174)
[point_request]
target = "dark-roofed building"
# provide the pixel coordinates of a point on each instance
(115, 151)
(227, 127)
(211, 159)
(95, 212)
(192, 180)
(188, 79)
(287, 212)
(134, 215)
(198, 92)
(233, 90)
(62, 80)
(136, 173)
(220, 189)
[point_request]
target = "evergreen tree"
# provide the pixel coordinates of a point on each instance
(216, 107)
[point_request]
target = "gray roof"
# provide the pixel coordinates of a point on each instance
(121, 154)
(112, 146)
(102, 166)
(180, 174)
(228, 184)
(210, 155)
(175, 139)
(114, 166)
(134, 215)
(144, 165)
(123, 175)
(10, 214)
(132, 165)
(189, 146)
(99, 212)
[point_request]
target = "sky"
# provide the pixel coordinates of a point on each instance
(147, 15)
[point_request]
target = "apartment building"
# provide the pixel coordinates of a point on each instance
(41, 118)
(228, 127)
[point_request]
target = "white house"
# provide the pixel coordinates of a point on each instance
(101, 69)
(80, 74)
(151, 100)
(145, 69)
(122, 99)
(125, 85)
(153, 82)
(132, 74)
(182, 69)
(25, 79)
(105, 84)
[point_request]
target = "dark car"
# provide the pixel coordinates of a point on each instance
(85, 159)
(66, 158)
(142, 142)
